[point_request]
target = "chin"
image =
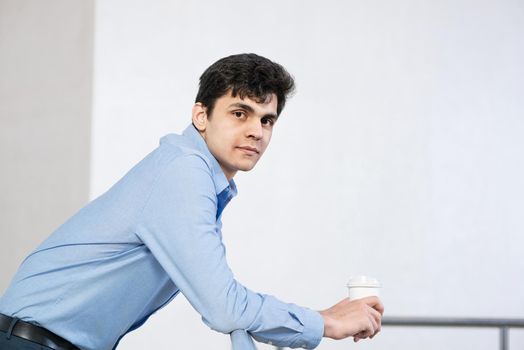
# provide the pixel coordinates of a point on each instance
(246, 167)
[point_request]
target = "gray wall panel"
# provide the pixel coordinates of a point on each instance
(45, 108)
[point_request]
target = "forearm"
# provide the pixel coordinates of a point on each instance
(285, 324)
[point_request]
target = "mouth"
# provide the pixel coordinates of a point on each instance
(249, 150)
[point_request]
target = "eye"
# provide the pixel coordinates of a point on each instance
(268, 121)
(239, 114)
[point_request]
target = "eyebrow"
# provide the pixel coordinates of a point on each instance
(251, 109)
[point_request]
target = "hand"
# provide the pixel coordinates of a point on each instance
(359, 318)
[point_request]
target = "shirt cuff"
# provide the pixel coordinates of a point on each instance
(313, 329)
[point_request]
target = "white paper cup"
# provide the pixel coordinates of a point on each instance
(363, 286)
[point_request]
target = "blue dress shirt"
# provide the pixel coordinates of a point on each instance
(129, 252)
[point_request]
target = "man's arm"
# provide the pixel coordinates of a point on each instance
(178, 225)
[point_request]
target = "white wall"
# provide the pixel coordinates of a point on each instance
(399, 157)
(46, 63)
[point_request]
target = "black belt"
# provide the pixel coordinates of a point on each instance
(35, 334)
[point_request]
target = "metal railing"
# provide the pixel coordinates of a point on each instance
(503, 324)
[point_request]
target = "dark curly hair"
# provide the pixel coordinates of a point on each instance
(245, 75)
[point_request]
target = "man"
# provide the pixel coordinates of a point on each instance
(157, 233)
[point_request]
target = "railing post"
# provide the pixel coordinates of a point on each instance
(504, 338)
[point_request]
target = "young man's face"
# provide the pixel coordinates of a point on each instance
(238, 131)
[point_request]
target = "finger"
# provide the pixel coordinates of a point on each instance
(379, 325)
(366, 329)
(359, 336)
(375, 303)
(370, 329)
(374, 324)
(378, 318)
(378, 331)
(379, 307)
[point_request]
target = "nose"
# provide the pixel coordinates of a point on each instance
(254, 129)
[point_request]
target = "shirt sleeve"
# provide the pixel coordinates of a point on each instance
(178, 224)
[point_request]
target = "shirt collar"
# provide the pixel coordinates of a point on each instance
(219, 177)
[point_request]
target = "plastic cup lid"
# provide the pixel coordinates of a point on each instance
(363, 281)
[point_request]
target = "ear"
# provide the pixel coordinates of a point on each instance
(199, 116)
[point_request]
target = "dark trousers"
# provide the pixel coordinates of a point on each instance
(11, 342)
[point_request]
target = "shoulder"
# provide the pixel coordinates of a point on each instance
(175, 151)
(183, 170)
